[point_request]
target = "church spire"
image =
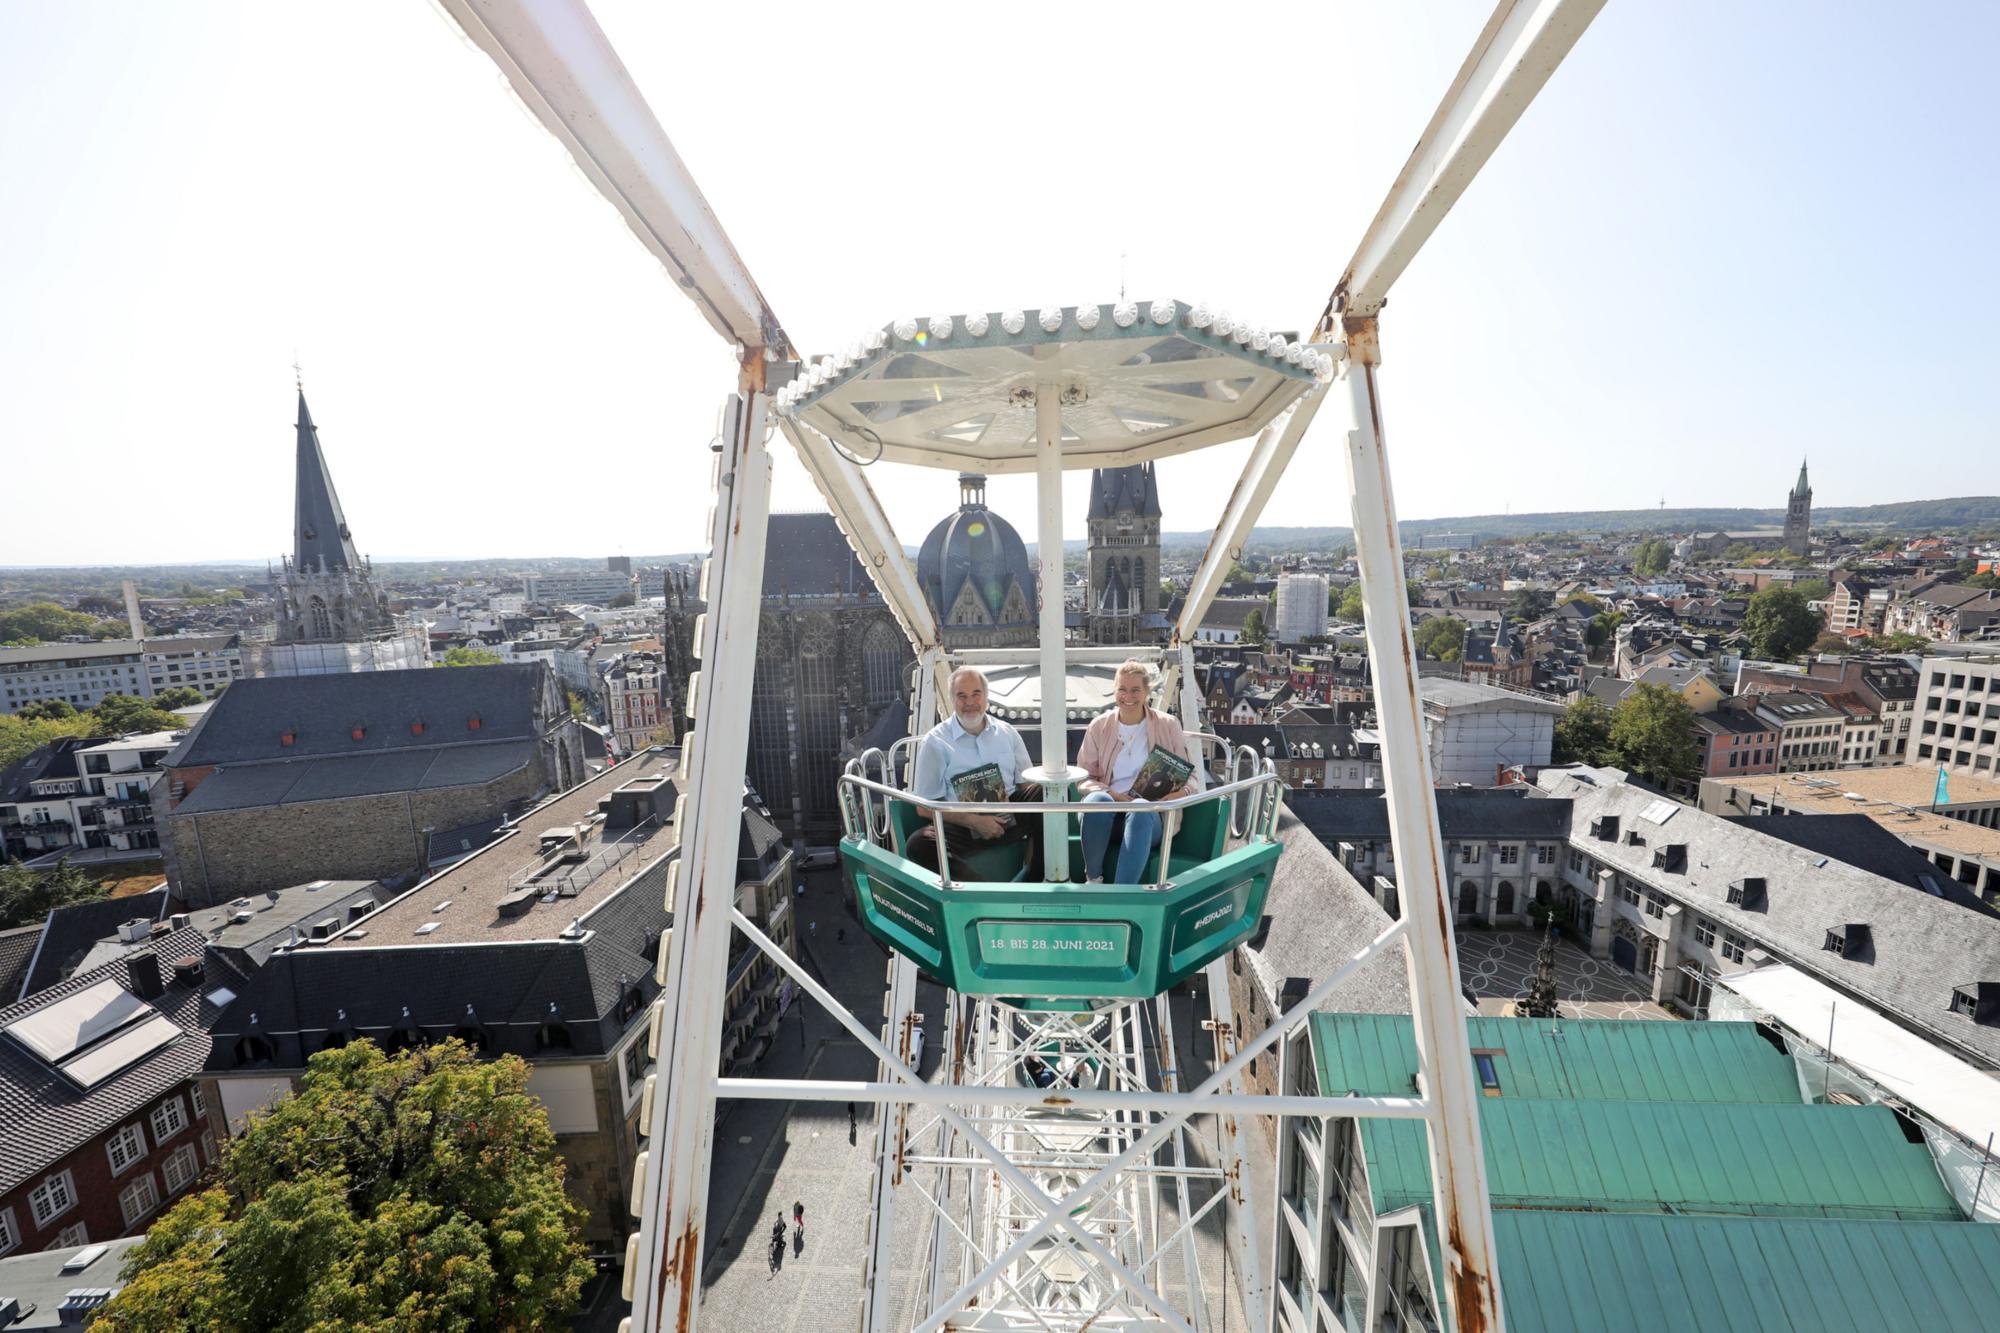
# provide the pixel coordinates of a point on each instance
(1802, 487)
(320, 539)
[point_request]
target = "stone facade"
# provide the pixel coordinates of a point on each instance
(226, 854)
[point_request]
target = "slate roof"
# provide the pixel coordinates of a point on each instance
(1861, 842)
(1922, 946)
(69, 932)
(1348, 816)
(43, 1117)
(45, 763)
(1320, 917)
(805, 555)
(1231, 612)
(329, 779)
(320, 539)
(320, 712)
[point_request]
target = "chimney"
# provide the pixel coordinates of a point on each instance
(135, 930)
(142, 968)
(132, 610)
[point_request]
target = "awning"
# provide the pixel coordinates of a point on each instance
(1936, 1082)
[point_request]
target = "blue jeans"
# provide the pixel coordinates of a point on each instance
(1138, 832)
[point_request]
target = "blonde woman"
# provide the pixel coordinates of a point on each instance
(1115, 746)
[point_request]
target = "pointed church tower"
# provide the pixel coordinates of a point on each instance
(1124, 527)
(1798, 515)
(326, 593)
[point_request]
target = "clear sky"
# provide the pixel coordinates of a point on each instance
(1726, 235)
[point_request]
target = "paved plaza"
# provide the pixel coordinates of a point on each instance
(1496, 965)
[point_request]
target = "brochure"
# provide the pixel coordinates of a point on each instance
(1163, 773)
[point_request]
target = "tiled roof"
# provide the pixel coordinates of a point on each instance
(1320, 917)
(1346, 816)
(17, 947)
(43, 1117)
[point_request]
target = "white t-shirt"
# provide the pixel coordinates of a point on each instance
(1133, 747)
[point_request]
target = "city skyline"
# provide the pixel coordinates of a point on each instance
(480, 336)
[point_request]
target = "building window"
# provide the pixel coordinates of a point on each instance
(1628, 891)
(194, 1099)
(1510, 856)
(1704, 932)
(1489, 1072)
(138, 1199)
(126, 1146)
(10, 1236)
(1468, 853)
(1733, 946)
(52, 1198)
(74, 1234)
(1545, 856)
(169, 1119)
(181, 1169)
(1655, 905)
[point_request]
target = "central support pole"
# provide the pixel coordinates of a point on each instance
(1049, 554)
(1458, 1163)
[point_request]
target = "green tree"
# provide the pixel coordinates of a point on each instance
(177, 696)
(1780, 624)
(466, 656)
(1652, 735)
(1584, 599)
(1652, 557)
(1813, 590)
(1603, 628)
(28, 896)
(1583, 733)
(1988, 580)
(1530, 603)
(1351, 607)
(623, 599)
(1238, 575)
(46, 710)
(1898, 643)
(1166, 593)
(119, 714)
(1442, 637)
(1253, 628)
(20, 736)
(417, 1191)
(46, 622)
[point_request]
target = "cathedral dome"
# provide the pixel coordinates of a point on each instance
(974, 570)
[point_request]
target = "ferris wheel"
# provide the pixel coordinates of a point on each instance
(1048, 1172)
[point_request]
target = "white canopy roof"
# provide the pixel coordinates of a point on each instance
(1944, 1087)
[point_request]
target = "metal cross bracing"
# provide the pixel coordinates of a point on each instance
(1041, 1205)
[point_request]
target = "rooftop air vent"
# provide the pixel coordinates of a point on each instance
(323, 928)
(135, 930)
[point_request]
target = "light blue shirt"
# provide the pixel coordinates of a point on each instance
(948, 749)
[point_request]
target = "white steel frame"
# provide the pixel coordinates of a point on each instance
(563, 68)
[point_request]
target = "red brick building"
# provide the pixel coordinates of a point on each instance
(101, 1123)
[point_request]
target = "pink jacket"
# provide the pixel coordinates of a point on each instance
(1100, 746)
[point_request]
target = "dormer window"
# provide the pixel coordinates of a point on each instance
(1852, 942)
(1672, 858)
(1604, 828)
(1747, 893)
(1978, 1001)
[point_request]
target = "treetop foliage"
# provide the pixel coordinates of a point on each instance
(413, 1191)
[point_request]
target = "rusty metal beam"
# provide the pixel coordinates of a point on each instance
(1518, 50)
(1458, 1165)
(563, 68)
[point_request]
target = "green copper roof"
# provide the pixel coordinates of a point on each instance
(1588, 1272)
(1691, 1157)
(1591, 1059)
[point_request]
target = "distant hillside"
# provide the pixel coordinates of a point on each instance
(1972, 511)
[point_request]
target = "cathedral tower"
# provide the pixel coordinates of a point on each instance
(1124, 526)
(1798, 515)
